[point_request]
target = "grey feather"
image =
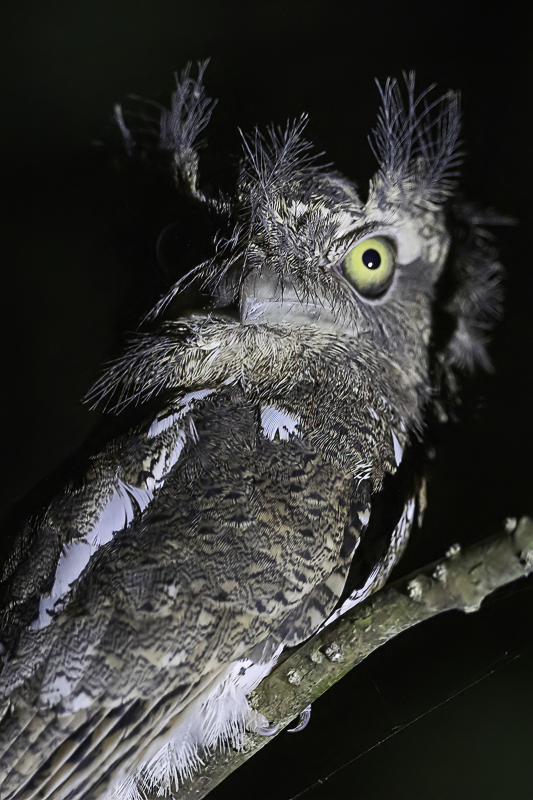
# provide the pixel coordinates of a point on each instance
(242, 513)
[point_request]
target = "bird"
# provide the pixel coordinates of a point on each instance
(275, 466)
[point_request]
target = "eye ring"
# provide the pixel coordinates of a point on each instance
(369, 267)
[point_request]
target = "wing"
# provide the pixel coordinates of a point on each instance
(217, 532)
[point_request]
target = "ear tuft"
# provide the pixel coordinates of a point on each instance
(416, 144)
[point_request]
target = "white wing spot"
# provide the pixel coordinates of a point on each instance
(398, 450)
(57, 690)
(275, 421)
(298, 208)
(46, 605)
(176, 452)
(167, 459)
(80, 701)
(364, 518)
(165, 421)
(199, 395)
(143, 497)
(161, 424)
(71, 564)
(115, 516)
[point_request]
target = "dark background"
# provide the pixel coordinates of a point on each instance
(446, 710)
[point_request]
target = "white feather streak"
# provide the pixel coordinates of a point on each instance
(163, 422)
(275, 421)
(398, 449)
(383, 566)
(116, 515)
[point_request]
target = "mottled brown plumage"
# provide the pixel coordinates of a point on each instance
(137, 607)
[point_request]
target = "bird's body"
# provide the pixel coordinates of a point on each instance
(153, 593)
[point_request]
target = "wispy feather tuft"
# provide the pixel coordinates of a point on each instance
(134, 376)
(177, 129)
(416, 143)
(189, 114)
(274, 157)
(477, 302)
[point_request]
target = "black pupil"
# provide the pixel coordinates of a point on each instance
(371, 259)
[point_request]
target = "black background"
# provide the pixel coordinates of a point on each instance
(446, 710)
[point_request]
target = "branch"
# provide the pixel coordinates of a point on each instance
(460, 581)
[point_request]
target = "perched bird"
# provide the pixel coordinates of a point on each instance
(275, 470)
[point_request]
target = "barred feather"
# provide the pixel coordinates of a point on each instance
(270, 480)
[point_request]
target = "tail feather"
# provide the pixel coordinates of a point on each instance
(94, 753)
(66, 777)
(25, 760)
(145, 736)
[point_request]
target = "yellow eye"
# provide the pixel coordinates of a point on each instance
(370, 265)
